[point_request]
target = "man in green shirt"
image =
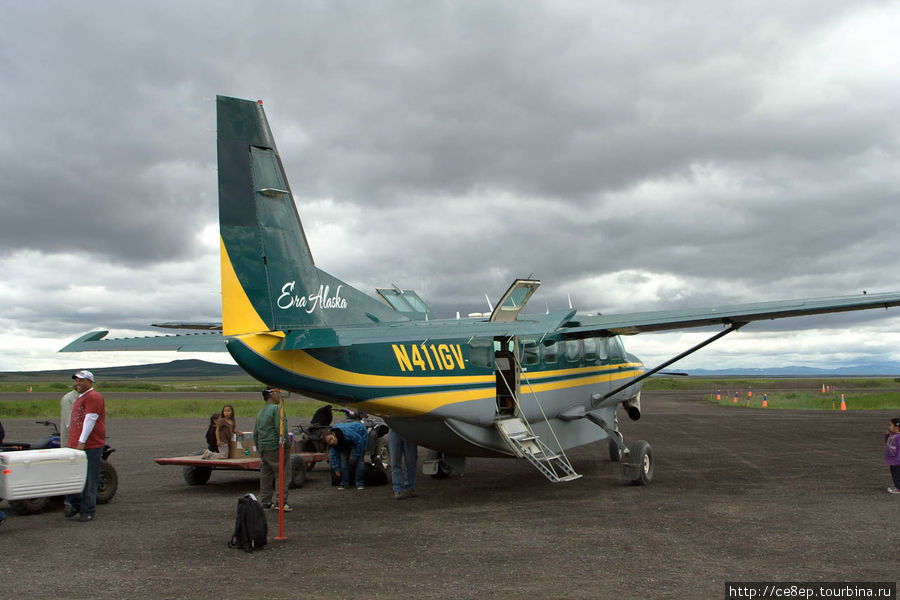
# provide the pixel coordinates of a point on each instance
(266, 436)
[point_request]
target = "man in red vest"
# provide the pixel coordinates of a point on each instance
(87, 431)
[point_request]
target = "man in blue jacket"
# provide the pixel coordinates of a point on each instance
(344, 439)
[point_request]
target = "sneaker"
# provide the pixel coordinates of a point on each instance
(287, 508)
(893, 490)
(70, 512)
(2, 521)
(398, 496)
(360, 487)
(343, 487)
(268, 506)
(85, 518)
(410, 492)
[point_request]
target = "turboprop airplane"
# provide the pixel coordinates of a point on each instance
(503, 385)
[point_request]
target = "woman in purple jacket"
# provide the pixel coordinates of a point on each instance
(892, 453)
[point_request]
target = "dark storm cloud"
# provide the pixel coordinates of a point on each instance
(636, 157)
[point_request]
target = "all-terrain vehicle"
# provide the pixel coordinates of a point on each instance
(109, 478)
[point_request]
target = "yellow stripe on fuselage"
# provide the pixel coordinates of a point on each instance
(419, 402)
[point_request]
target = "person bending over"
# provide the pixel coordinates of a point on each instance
(348, 443)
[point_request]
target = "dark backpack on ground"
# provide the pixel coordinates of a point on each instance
(251, 529)
(375, 473)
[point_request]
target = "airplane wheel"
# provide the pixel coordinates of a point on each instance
(639, 468)
(615, 454)
(443, 471)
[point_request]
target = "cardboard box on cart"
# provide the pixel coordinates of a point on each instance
(41, 473)
(241, 445)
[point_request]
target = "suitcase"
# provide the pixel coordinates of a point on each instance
(40, 473)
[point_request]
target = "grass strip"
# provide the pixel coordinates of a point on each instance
(149, 407)
(802, 400)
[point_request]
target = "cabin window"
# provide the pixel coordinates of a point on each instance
(573, 350)
(530, 354)
(481, 352)
(603, 349)
(550, 352)
(590, 349)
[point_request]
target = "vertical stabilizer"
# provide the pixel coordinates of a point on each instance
(269, 279)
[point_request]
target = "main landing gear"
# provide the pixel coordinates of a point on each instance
(636, 459)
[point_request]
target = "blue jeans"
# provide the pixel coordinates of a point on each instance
(402, 452)
(358, 464)
(86, 502)
(895, 475)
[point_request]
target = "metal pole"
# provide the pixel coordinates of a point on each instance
(280, 469)
(598, 398)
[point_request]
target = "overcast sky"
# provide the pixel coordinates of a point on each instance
(631, 155)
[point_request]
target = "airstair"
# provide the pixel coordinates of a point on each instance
(555, 466)
(518, 434)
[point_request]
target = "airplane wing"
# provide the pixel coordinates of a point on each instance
(628, 324)
(567, 323)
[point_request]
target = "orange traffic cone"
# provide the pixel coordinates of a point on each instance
(843, 404)
(765, 401)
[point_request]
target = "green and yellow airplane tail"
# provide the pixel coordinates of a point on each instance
(269, 279)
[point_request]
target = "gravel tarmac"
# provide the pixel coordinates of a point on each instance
(738, 495)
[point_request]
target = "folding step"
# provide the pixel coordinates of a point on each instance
(525, 444)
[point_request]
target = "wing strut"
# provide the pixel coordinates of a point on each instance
(597, 398)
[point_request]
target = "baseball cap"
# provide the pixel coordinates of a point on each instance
(269, 391)
(83, 375)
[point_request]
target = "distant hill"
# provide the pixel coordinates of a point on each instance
(883, 368)
(176, 368)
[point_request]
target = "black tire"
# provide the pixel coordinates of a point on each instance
(615, 454)
(640, 459)
(383, 450)
(298, 471)
(196, 475)
(443, 471)
(108, 483)
(29, 506)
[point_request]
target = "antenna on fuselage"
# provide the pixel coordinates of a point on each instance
(491, 306)
(570, 301)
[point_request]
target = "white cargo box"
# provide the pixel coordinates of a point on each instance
(39, 473)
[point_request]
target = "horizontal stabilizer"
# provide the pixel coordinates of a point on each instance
(191, 325)
(188, 342)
